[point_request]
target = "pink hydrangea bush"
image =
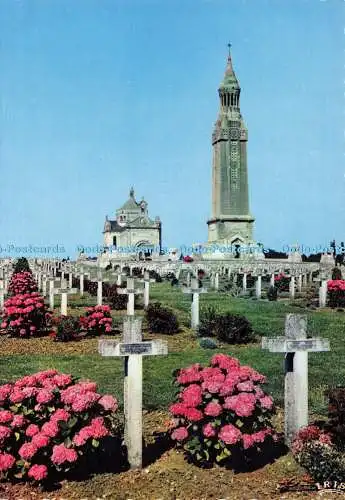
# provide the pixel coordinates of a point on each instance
(21, 283)
(336, 293)
(48, 421)
(97, 320)
(222, 414)
(25, 315)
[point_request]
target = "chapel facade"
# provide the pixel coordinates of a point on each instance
(132, 228)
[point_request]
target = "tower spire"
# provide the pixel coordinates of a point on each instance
(229, 79)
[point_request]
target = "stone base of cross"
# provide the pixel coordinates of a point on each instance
(133, 349)
(296, 346)
(195, 291)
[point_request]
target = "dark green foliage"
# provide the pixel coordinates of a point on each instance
(116, 301)
(272, 293)
(161, 319)
(229, 328)
(67, 328)
(336, 298)
(207, 343)
(90, 287)
(323, 462)
(154, 275)
(336, 414)
(282, 282)
(136, 272)
(336, 273)
(174, 282)
(126, 270)
(233, 329)
(21, 265)
(108, 267)
(208, 320)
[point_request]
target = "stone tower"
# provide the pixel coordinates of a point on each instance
(231, 222)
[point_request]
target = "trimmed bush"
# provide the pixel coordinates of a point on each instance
(49, 422)
(207, 343)
(234, 329)
(208, 320)
(336, 273)
(97, 320)
(161, 319)
(282, 282)
(67, 328)
(315, 450)
(229, 328)
(25, 316)
(272, 293)
(22, 282)
(222, 415)
(336, 414)
(336, 293)
(21, 265)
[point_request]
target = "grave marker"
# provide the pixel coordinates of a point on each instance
(195, 291)
(296, 346)
(133, 349)
(131, 292)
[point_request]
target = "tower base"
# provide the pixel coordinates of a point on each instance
(231, 230)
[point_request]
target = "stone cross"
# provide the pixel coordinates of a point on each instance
(100, 281)
(296, 346)
(51, 293)
(133, 349)
(131, 292)
(2, 294)
(64, 291)
(81, 281)
(323, 294)
(195, 291)
(292, 286)
(147, 280)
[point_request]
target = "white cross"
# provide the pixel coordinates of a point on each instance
(133, 349)
(296, 346)
(131, 292)
(147, 280)
(195, 291)
(64, 291)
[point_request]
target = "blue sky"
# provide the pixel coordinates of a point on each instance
(99, 95)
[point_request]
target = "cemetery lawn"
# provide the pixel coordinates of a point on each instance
(167, 475)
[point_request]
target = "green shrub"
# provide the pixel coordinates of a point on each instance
(21, 265)
(336, 273)
(336, 414)
(323, 462)
(208, 318)
(161, 319)
(272, 293)
(233, 329)
(207, 343)
(67, 328)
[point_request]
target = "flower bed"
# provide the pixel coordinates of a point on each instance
(48, 420)
(315, 450)
(336, 293)
(22, 282)
(97, 320)
(25, 315)
(222, 414)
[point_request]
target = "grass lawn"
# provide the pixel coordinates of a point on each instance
(19, 357)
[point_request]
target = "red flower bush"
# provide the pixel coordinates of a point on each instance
(97, 320)
(336, 293)
(282, 282)
(221, 411)
(48, 421)
(25, 315)
(21, 283)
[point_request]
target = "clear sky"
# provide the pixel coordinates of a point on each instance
(99, 95)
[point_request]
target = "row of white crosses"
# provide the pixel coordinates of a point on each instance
(296, 346)
(132, 349)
